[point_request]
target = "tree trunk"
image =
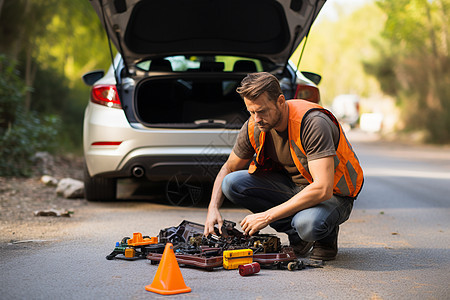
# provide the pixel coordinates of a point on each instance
(28, 78)
(1, 5)
(445, 34)
(435, 70)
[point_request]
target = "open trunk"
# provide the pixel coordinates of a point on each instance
(197, 101)
(257, 28)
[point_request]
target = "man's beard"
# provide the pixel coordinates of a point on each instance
(266, 127)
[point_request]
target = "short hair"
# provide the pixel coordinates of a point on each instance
(256, 84)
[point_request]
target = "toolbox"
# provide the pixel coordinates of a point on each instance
(232, 259)
(230, 249)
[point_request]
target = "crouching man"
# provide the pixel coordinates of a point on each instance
(304, 174)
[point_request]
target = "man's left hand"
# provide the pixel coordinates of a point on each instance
(255, 222)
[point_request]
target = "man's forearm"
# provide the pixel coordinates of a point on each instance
(217, 198)
(233, 163)
(316, 192)
(321, 189)
(306, 198)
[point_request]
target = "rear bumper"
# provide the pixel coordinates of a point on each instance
(163, 167)
(161, 153)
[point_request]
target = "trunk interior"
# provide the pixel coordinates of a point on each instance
(190, 102)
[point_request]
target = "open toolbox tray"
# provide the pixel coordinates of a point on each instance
(274, 258)
(208, 263)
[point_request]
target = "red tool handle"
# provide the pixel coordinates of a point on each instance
(249, 269)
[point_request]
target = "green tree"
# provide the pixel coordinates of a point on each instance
(22, 133)
(337, 48)
(73, 44)
(54, 42)
(413, 63)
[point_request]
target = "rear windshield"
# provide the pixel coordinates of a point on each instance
(210, 63)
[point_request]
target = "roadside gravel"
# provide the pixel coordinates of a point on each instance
(20, 197)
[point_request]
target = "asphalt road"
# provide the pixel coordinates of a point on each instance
(396, 244)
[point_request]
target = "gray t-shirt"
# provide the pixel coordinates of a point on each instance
(320, 137)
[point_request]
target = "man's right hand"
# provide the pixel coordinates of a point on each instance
(212, 219)
(233, 163)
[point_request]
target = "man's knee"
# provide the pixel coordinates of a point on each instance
(231, 187)
(310, 229)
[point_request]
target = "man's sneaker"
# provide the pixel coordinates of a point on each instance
(326, 249)
(301, 248)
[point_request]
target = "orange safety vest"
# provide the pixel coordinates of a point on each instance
(348, 174)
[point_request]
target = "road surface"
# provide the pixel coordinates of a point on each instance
(396, 244)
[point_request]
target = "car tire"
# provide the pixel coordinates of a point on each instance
(184, 190)
(99, 188)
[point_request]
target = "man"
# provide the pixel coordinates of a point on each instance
(304, 175)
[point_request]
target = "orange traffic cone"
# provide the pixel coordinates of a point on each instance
(168, 279)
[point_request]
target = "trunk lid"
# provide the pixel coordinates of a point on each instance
(269, 29)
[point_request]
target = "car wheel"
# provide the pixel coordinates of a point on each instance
(184, 190)
(99, 188)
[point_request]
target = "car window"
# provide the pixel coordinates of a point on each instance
(219, 63)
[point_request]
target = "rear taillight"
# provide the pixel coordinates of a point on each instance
(106, 143)
(106, 95)
(307, 92)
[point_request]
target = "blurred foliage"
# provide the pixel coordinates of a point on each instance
(42, 96)
(29, 134)
(413, 63)
(22, 133)
(12, 91)
(19, 21)
(54, 43)
(398, 48)
(74, 42)
(336, 49)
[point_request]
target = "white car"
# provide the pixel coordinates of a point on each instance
(167, 109)
(346, 108)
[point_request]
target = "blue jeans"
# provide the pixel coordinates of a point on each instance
(260, 192)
